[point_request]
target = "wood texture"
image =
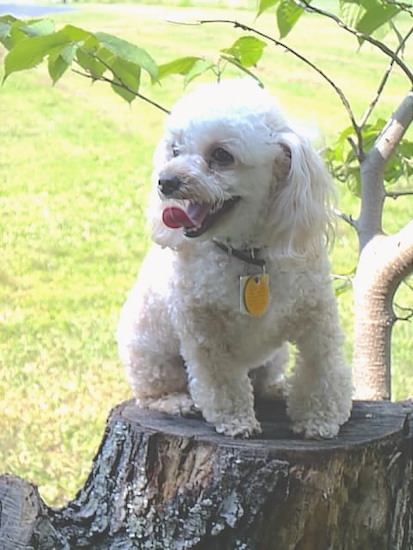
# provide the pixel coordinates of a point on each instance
(163, 482)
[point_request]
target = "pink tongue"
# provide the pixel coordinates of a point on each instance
(175, 217)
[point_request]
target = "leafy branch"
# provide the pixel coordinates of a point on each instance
(97, 54)
(362, 36)
(116, 82)
(299, 56)
(384, 79)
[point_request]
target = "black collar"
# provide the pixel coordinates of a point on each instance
(248, 256)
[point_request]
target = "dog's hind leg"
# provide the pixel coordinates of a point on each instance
(149, 351)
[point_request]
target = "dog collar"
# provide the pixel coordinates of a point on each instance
(248, 256)
(254, 290)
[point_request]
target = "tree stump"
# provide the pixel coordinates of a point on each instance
(169, 483)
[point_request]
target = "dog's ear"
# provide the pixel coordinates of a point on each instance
(282, 163)
(301, 219)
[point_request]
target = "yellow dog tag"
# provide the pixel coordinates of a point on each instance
(254, 294)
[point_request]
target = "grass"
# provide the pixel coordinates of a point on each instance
(75, 172)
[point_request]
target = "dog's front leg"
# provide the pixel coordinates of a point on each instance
(223, 392)
(320, 392)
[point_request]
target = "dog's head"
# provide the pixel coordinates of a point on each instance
(230, 168)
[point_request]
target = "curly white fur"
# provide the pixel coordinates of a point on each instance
(182, 336)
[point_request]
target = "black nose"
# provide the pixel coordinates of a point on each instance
(168, 186)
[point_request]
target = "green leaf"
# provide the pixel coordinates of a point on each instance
(57, 68)
(29, 28)
(344, 165)
(30, 52)
(4, 30)
(247, 50)
(288, 13)
(265, 5)
(124, 94)
(90, 63)
(377, 14)
(347, 132)
(400, 165)
(393, 169)
(368, 16)
(94, 57)
(351, 11)
(245, 70)
(6, 22)
(105, 56)
(69, 53)
(76, 34)
(13, 35)
(181, 65)
(129, 52)
(14, 30)
(190, 67)
(56, 65)
(200, 67)
(8, 18)
(38, 27)
(60, 60)
(126, 73)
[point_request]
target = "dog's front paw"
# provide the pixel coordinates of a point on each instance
(316, 429)
(239, 427)
(173, 403)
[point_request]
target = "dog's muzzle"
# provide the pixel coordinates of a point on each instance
(196, 218)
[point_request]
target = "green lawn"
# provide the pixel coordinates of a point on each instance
(75, 168)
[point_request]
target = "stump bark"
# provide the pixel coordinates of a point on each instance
(161, 482)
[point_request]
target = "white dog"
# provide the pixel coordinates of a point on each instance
(241, 218)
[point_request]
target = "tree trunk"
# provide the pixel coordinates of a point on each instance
(383, 263)
(161, 482)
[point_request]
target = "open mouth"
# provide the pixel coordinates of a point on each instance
(196, 218)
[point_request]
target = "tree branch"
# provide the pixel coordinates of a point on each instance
(406, 317)
(395, 129)
(121, 84)
(358, 148)
(396, 194)
(383, 82)
(408, 8)
(372, 168)
(299, 56)
(379, 45)
(347, 218)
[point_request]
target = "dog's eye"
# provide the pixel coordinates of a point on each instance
(175, 150)
(221, 157)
